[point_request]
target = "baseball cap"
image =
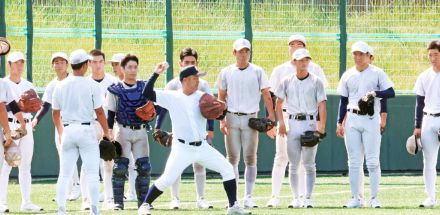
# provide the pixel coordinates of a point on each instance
(117, 58)
(370, 50)
(190, 70)
(360, 46)
(15, 56)
(241, 43)
(297, 37)
(79, 56)
(61, 55)
(413, 145)
(300, 54)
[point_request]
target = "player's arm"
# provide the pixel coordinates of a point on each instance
(148, 91)
(343, 102)
(420, 104)
(161, 114)
(13, 107)
(5, 125)
(279, 111)
(100, 117)
(268, 103)
(383, 114)
(41, 113)
(56, 117)
(222, 94)
(322, 110)
(384, 94)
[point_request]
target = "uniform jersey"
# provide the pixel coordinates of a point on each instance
(17, 90)
(428, 85)
(48, 92)
(355, 84)
(6, 94)
(103, 85)
(243, 87)
(175, 84)
(77, 97)
(302, 96)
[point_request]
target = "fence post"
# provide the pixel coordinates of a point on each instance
(98, 24)
(2, 34)
(169, 39)
(343, 37)
(29, 39)
(248, 34)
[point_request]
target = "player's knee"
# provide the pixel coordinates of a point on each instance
(250, 160)
(373, 164)
(120, 168)
(199, 169)
(354, 163)
(233, 159)
(228, 172)
(310, 167)
(293, 168)
(281, 160)
(143, 166)
(108, 166)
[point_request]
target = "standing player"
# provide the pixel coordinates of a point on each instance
(189, 143)
(305, 97)
(5, 135)
(122, 100)
(280, 161)
(241, 85)
(362, 131)
(26, 144)
(76, 102)
(116, 65)
(189, 57)
(427, 123)
(60, 62)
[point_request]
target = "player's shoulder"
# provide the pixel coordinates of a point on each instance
(255, 67)
(110, 78)
(172, 85)
(349, 72)
(281, 67)
(375, 68)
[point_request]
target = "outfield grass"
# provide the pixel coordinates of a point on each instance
(398, 194)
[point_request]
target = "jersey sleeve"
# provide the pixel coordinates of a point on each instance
(418, 87)
(274, 80)
(205, 87)
(280, 91)
(342, 86)
(96, 95)
(111, 102)
(320, 91)
(171, 85)
(264, 81)
(165, 98)
(56, 99)
(384, 81)
(221, 80)
(48, 92)
(320, 73)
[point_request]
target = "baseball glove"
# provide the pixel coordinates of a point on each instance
(147, 112)
(211, 107)
(163, 138)
(107, 150)
(29, 102)
(366, 104)
(13, 155)
(5, 46)
(261, 124)
(118, 148)
(311, 138)
(18, 133)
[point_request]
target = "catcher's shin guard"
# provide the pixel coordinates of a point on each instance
(120, 169)
(143, 168)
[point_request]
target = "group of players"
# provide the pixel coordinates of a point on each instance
(87, 109)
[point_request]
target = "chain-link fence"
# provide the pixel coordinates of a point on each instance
(398, 31)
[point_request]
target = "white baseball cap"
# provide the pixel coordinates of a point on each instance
(79, 56)
(370, 50)
(117, 58)
(413, 145)
(297, 37)
(15, 56)
(241, 43)
(61, 55)
(300, 54)
(360, 46)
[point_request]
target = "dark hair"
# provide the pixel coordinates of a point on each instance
(435, 44)
(128, 58)
(79, 65)
(188, 52)
(97, 52)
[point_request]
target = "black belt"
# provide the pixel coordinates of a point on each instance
(241, 114)
(134, 127)
(83, 123)
(432, 114)
(284, 110)
(195, 143)
(301, 117)
(12, 120)
(356, 111)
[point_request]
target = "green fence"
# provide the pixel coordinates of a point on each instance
(157, 30)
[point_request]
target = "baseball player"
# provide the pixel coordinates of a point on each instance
(122, 100)
(241, 85)
(76, 102)
(305, 97)
(189, 143)
(427, 123)
(116, 65)
(26, 144)
(279, 73)
(188, 57)
(5, 135)
(361, 131)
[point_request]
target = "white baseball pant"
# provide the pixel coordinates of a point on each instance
(199, 178)
(430, 146)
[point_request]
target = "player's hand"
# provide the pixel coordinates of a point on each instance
(8, 139)
(108, 135)
(224, 127)
(161, 67)
(210, 135)
(272, 133)
(282, 131)
(34, 123)
(417, 132)
(340, 131)
(383, 124)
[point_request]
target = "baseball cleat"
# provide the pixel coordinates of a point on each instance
(107, 205)
(101, 197)
(237, 210)
(175, 203)
(30, 207)
(85, 206)
(130, 197)
(249, 202)
(75, 193)
(353, 203)
(428, 203)
(273, 202)
(144, 209)
(374, 203)
(4, 208)
(118, 207)
(308, 203)
(203, 204)
(295, 203)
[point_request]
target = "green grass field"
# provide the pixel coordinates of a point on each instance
(398, 194)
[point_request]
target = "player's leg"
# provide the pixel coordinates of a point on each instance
(4, 179)
(175, 190)
(85, 205)
(130, 195)
(362, 179)
(141, 154)
(308, 155)
(294, 155)
(249, 138)
(233, 142)
(200, 181)
(107, 169)
(120, 168)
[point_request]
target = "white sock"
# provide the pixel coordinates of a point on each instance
(310, 183)
(200, 179)
(175, 188)
(374, 174)
(83, 185)
(293, 178)
(250, 177)
(430, 177)
(353, 175)
(278, 172)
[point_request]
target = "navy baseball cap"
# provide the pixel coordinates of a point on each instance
(190, 70)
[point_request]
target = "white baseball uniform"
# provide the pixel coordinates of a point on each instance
(302, 98)
(6, 97)
(77, 97)
(362, 132)
(279, 73)
(243, 98)
(26, 145)
(428, 85)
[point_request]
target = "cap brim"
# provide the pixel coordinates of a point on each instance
(302, 57)
(242, 47)
(358, 50)
(201, 74)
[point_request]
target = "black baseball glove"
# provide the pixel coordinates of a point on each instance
(311, 138)
(107, 150)
(163, 138)
(366, 104)
(118, 148)
(261, 124)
